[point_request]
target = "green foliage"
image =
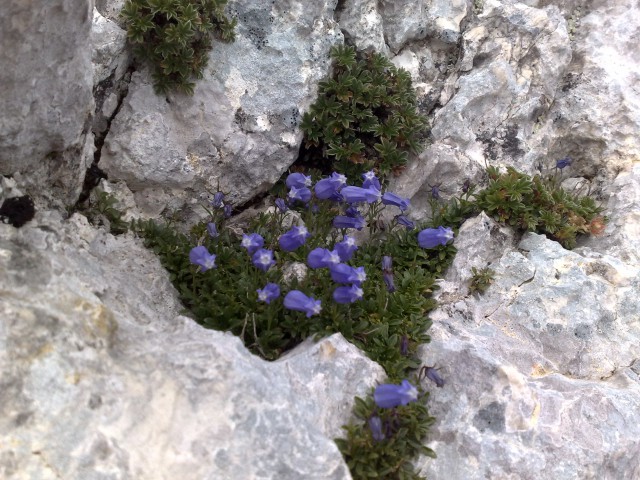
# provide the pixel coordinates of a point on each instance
(365, 116)
(539, 205)
(175, 37)
(103, 211)
(481, 279)
(406, 431)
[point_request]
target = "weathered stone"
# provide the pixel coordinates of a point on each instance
(361, 23)
(239, 132)
(101, 375)
(110, 59)
(46, 100)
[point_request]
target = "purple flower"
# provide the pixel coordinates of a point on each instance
(343, 273)
(359, 194)
(387, 274)
(397, 201)
(302, 194)
(352, 211)
(389, 395)
(435, 192)
(432, 237)
(298, 180)
(433, 375)
(200, 256)
(263, 259)
(252, 242)
(564, 162)
(294, 238)
(218, 198)
(387, 263)
(322, 258)
(370, 180)
(404, 346)
(346, 248)
(347, 294)
(466, 185)
(212, 230)
(329, 188)
(375, 425)
(227, 211)
(281, 205)
(404, 221)
(270, 292)
(296, 300)
(342, 221)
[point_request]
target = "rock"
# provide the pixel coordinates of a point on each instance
(46, 100)
(541, 370)
(101, 375)
(361, 23)
(239, 131)
(109, 56)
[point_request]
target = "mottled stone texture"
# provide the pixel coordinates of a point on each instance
(101, 377)
(46, 100)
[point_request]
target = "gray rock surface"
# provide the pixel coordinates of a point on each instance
(46, 101)
(240, 129)
(103, 378)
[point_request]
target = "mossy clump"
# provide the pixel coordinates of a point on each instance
(365, 117)
(175, 37)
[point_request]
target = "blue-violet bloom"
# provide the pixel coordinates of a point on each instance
(387, 263)
(218, 198)
(252, 242)
(302, 194)
(329, 188)
(212, 230)
(389, 395)
(563, 162)
(200, 256)
(227, 211)
(370, 180)
(296, 300)
(343, 273)
(342, 221)
(352, 211)
(270, 292)
(375, 425)
(322, 258)
(347, 294)
(298, 180)
(433, 375)
(397, 201)
(263, 259)
(346, 248)
(294, 238)
(432, 237)
(359, 194)
(281, 205)
(405, 222)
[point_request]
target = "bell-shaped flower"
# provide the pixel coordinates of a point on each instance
(270, 292)
(322, 258)
(564, 162)
(397, 201)
(218, 199)
(200, 256)
(370, 180)
(343, 273)
(296, 300)
(405, 222)
(281, 205)
(432, 374)
(342, 221)
(432, 237)
(352, 211)
(359, 194)
(252, 242)
(346, 248)
(263, 259)
(294, 238)
(212, 230)
(387, 274)
(349, 294)
(375, 425)
(227, 211)
(390, 395)
(329, 188)
(302, 194)
(298, 180)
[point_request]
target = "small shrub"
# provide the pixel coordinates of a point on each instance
(365, 117)
(103, 211)
(481, 279)
(539, 204)
(175, 37)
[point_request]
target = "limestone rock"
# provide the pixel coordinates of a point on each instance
(102, 376)
(239, 132)
(361, 23)
(46, 100)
